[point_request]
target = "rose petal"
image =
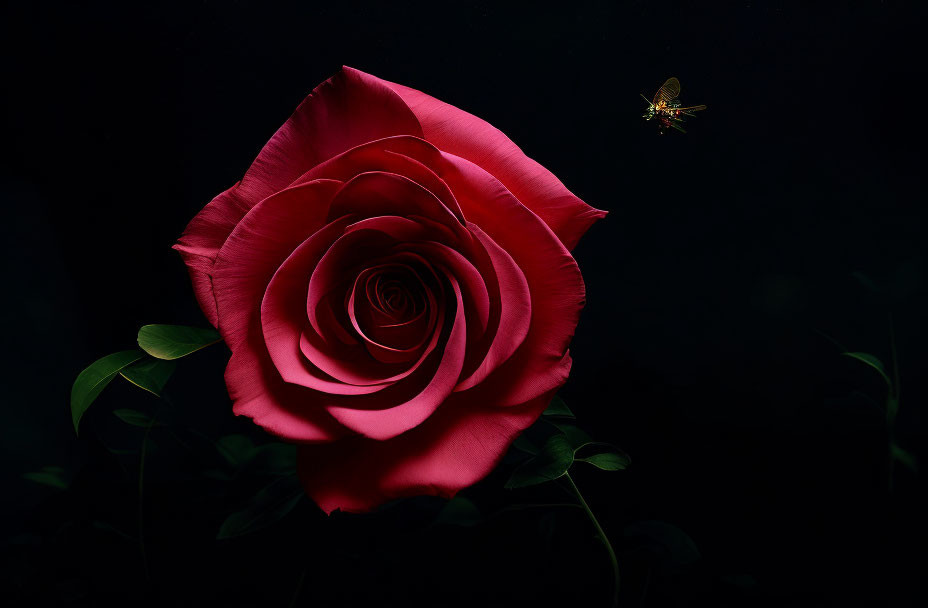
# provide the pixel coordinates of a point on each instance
(403, 155)
(462, 134)
(283, 316)
(351, 365)
(389, 422)
(454, 448)
(200, 243)
(288, 411)
(513, 312)
(379, 193)
(261, 241)
(393, 342)
(557, 290)
(347, 110)
(474, 289)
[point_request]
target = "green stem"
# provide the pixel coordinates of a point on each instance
(299, 587)
(602, 536)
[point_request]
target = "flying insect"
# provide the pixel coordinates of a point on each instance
(667, 109)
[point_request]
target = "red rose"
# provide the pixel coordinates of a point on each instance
(394, 280)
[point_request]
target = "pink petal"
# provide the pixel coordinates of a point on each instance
(454, 448)
(283, 316)
(404, 155)
(378, 193)
(389, 342)
(261, 241)
(345, 111)
(200, 243)
(389, 422)
(513, 312)
(290, 412)
(557, 291)
(462, 134)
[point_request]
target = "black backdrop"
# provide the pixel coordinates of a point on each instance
(727, 250)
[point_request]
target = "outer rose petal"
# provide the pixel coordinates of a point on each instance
(291, 412)
(555, 284)
(454, 448)
(387, 423)
(347, 110)
(462, 134)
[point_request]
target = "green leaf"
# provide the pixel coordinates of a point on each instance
(459, 511)
(150, 374)
(102, 525)
(557, 407)
(872, 362)
(91, 382)
(552, 462)
(133, 417)
(275, 458)
(675, 544)
(236, 449)
(55, 477)
(904, 457)
(607, 461)
(576, 436)
(892, 408)
(175, 341)
(523, 444)
(267, 507)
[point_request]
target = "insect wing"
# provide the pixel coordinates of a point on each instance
(668, 91)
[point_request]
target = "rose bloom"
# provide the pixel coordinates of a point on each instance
(393, 277)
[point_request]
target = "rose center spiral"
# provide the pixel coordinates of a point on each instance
(391, 306)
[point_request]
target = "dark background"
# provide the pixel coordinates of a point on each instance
(726, 252)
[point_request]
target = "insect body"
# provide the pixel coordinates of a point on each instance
(667, 109)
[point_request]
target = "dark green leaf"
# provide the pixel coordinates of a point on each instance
(601, 444)
(575, 436)
(133, 417)
(102, 525)
(873, 362)
(904, 457)
(557, 407)
(275, 458)
(607, 461)
(675, 545)
(55, 477)
(523, 444)
(267, 507)
(892, 408)
(93, 380)
(236, 449)
(550, 463)
(175, 341)
(150, 374)
(459, 511)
